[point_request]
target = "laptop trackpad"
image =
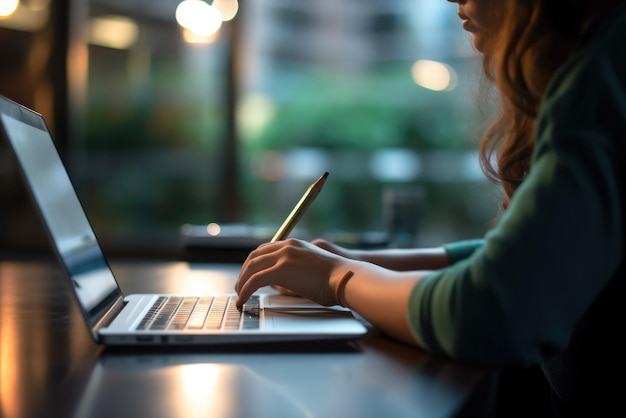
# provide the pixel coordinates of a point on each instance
(287, 311)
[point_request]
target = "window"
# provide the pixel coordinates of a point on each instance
(169, 131)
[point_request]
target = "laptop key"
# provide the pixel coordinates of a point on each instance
(196, 321)
(165, 314)
(216, 314)
(233, 317)
(250, 314)
(183, 313)
(151, 312)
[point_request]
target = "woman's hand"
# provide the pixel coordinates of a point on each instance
(297, 266)
(328, 246)
(315, 271)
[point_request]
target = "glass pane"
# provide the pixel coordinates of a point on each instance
(231, 128)
(151, 158)
(24, 78)
(380, 94)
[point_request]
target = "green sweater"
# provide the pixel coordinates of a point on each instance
(543, 286)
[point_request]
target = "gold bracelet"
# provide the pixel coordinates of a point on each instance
(341, 288)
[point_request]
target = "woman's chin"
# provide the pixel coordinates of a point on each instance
(478, 43)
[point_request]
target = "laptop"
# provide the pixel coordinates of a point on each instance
(148, 319)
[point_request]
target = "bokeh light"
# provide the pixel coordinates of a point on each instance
(199, 17)
(434, 75)
(8, 7)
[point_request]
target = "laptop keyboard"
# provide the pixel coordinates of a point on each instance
(198, 313)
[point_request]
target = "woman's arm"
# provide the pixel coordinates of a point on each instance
(394, 259)
(378, 294)
(381, 296)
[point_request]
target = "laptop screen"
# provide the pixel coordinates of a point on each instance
(61, 210)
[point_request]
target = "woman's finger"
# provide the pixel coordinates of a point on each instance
(255, 282)
(253, 264)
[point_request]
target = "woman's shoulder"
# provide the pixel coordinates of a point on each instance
(605, 37)
(588, 93)
(602, 44)
(597, 68)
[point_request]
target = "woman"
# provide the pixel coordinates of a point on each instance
(543, 285)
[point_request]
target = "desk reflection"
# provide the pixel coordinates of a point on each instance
(200, 386)
(50, 367)
(42, 337)
(275, 384)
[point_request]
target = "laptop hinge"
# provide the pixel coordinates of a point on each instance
(109, 315)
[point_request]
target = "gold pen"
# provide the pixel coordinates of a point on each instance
(297, 212)
(295, 215)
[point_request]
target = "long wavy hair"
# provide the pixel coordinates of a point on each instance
(529, 42)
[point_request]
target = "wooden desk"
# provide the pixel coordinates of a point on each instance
(50, 367)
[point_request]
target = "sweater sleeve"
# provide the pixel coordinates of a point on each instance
(516, 298)
(460, 250)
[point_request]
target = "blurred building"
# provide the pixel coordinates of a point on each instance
(158, 131)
